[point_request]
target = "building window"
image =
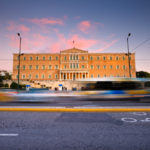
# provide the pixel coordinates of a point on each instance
(29, 76)
(24, 67)
(50, 58)
(43, 67)
(104, 57)
(43, 76)
(98, 66)
(50, 67)
(16, 76)
(104, 66)
(98, 58)
(23, 76)
(77, 65)
(74, 65)
(65, 58)
(76, 57)
(37, 58)
(30, 67)
(117, 58)
(91, 57)
(124, 67)
(82, 57)
(64, 66)
(117, 67)
(37, 67)
(130, 67)
(30, 58)
(98, 76)
(17, 67)
(56, 66)
(82, 66)
(130, 57)
(49, 76)
(56, 76)
(91, 75)
(92, 67)
(111, 66)
(110, 57)
(56, 57)
(36, 76)
(71, 66)
(43, 57)
(123, 57)
(24, 58)
(70, 57)
(105, 75)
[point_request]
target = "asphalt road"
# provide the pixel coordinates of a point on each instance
(74, 131)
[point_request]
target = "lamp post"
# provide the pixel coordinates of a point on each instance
(128, 54)
(19, 58)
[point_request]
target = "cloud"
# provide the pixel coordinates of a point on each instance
(18, 28)
(84, 26)
(46, 21)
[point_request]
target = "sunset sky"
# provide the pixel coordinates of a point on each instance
(99, 26)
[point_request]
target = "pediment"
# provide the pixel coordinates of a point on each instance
(74, 50)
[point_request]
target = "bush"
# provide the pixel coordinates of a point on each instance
(14, 85)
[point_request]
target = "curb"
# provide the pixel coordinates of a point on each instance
(71, 109)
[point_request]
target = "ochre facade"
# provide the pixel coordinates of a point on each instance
(73, 64)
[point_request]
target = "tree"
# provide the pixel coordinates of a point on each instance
(142, 74)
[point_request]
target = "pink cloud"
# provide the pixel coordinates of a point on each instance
(18, 28)
(84, 26)
(45, 21)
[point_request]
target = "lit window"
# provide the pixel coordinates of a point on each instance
(43, 57)
(30, 58)
(37, 67)
(91, 66)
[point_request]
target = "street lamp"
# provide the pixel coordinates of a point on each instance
(19, 58)
(129, 54)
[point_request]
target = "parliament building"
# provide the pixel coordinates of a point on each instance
(72, 64)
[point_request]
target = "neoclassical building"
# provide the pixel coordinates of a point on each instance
(72, 64)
